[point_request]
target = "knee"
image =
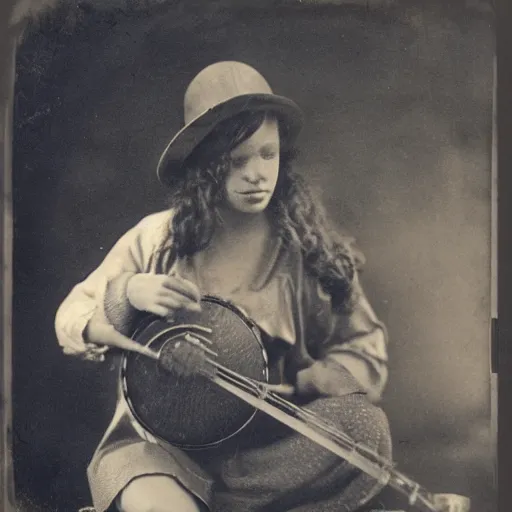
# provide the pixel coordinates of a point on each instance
(369, 425)
(381, 431)
(156, 493)
(363, 421)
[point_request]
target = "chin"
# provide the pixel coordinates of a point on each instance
(252, 208)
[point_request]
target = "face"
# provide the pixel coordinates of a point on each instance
(253, 171)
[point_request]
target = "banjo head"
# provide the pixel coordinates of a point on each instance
(193, 412)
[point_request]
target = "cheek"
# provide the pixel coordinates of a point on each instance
(231, 181)
(231, 185)
(273, 174)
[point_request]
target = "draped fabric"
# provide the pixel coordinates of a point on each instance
(285, 302)
(337, 362)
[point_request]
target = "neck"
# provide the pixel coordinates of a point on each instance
(239, 224)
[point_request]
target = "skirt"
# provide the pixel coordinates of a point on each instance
(266, 468)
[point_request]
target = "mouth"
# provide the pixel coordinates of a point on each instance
(253, 192)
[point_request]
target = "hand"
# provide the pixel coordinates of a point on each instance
(161, 294)
(87, 352)
(101, 335)
(91, 347)
(281, 389)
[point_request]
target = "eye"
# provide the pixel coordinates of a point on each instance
(238, 162)
(269, 154)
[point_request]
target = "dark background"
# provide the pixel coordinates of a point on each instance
(398, 139)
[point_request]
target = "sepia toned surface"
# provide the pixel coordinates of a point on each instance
(398, 105)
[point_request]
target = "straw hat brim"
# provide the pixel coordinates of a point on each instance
(193, 133)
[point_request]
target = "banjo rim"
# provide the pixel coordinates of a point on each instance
(146, 322)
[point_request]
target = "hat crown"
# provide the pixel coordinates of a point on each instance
(219, 83)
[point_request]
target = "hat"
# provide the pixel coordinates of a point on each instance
(219, 92)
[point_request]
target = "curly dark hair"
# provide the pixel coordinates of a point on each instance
(298, 216)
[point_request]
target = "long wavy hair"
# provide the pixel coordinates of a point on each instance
(299, 218)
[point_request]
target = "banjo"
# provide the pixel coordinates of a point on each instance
(232, 391)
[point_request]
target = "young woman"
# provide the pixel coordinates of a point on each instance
(242, 226)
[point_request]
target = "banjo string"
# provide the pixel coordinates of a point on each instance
(309, 417)
(397, 480)
(411, 489)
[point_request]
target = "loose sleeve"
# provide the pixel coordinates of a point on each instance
(131, 254)
(355, 342)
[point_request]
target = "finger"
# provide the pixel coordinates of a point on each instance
(89, 356)
(162, 311)
(177, 283)
(173, 300)
(281, 389)
(192, 306)
(177, 295)
(97, 349)
(98, 359)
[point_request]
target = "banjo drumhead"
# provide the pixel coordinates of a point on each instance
(193, 412)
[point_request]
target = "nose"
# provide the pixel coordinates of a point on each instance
(253, 179)
(255, 173)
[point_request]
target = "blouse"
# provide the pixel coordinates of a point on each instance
(327, 351)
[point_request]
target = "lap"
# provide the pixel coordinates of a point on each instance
(288, 472)
(294, 471)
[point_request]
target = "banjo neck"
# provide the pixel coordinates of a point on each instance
(335, 441)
